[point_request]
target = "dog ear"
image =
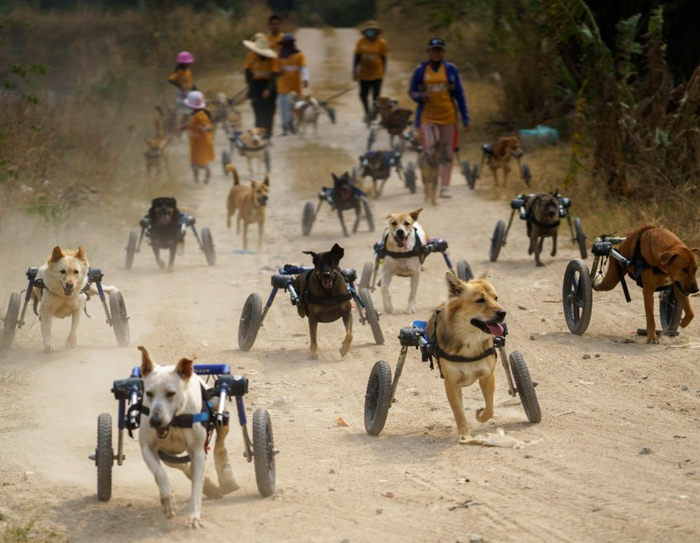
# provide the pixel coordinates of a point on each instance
(184, 368)
(487, 274)
(414, 214)
(666, 257)
(146, 364)
(267, 181)
(80, 255)
(338, 251)
(313, 255)
(455, 287)
(56, 255)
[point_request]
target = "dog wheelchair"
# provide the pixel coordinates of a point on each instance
(368, 279)
(115, 309)
(133, 246)
(474, 173)
(253, 314)
(518, 204)
(341, 197)
(577, 292)
(381, 389)
(129, 393)
(234, 138)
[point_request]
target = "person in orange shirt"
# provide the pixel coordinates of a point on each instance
(261, 71)
(369, 64)
(200, 130)
(183, 80)
(293, 75)
(274, 21)
(436, 86)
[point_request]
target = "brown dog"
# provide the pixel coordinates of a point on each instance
(542, 216)
(395, 119)
(253, 143)
(502, 150)
(250, 203)
(462, 331)
(658, 259)
(156, 151)
(325, 296)
(431, 161)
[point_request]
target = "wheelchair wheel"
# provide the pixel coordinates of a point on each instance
(670, 310)
(131, 249)
(410, 177)
(580, 238)
(225, 160)
(473, 176)
(366, 276)
(104, 457)
(464, 165)
(525, 387)
(331, 114)
(577, 296)
(377, 398)
(497, 240)
(120, 319)
(266, 158)
(464, 271)
(371, 138)
(527, 176)
(264, 453)
(208, 246)
(372, 316)
(11, 319)
(307, 218)
(249, 324)
(368, 214)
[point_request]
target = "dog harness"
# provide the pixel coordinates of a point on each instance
(310, 298)
(638, 265)
(382, 251)
(530, 217)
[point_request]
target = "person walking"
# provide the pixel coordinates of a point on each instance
(369, 65)
(274, 22)
(293, 75)
(200, 129)
(183, 80)
(436, 86)
(261, 72)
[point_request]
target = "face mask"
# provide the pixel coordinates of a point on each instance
(370, 33)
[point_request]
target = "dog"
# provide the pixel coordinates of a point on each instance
(657, 259)
(377, 165)
(498, 155)
(224, 113)
(431, 161)
(324, 296)
(306, 111)
(63, 291)
(165, 229)
(542, 216)
(346, 196)
(250, 202)
(252, 145)
(395, 119)
(402, 241)
(176, 391)
(169, 121)
(464, 328)
(156, 151)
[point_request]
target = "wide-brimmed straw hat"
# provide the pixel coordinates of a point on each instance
(260, 45)
(195, 100)
(370, 25)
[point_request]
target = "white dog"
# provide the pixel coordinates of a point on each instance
(402, 242)
(306, 112)
(64, 277)
(168, 393)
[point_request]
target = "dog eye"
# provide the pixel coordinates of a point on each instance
(686, 270)
(63, 272)
(481, 300)
(394, 223)
(149, 394)
(170, 394)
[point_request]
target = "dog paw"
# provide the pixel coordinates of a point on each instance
(411, 309)
(653, 340)
(49, 348)
(539, 264)
(482, 415)
(211, 490)
(72, 342)
(194, 522)
(465, 439)
(313, 357)
(161, 264)
(229, 486)
(169, 506)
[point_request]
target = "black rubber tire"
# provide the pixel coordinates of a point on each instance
(331, 114)
(577, 296)
(670, 310)
(104, 457)
(580, 238)
(473, 176)
(410, 177)
(497, 240)
(368, 214)
(249, 324)
(464, 271)
(120, 319)
(9, 325)
(525, 387)
(366, 276)
(372, 316)
(131, 249)
(208, 246)
(225, 160)
(266, 158)
(264, 452)
(465, 170)
(526, 175)
(307, 218)
(371, 138)
(377, 398)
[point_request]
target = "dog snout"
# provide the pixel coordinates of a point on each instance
(500, 315)
(400, 233)
(155, 422)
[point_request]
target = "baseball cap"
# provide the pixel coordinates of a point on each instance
(436, 42)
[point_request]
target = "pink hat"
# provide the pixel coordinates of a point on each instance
(185, 57)
(195, 100)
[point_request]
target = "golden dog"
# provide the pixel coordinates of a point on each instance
(250, 203)
(253, 143)
(156, 151)
(658, 259)
(431, 161)
(462, 331)
(502, 150)
(395, 119)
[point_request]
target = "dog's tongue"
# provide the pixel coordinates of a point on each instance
(495, 329)
(402, 243)
(327, 283)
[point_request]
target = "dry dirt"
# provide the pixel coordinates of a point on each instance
(606, 396)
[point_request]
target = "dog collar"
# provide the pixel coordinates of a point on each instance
(439, 353)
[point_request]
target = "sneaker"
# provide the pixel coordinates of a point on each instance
(444, 193)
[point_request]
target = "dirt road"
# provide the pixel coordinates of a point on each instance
(582, 474)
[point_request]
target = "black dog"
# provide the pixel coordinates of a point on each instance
(166, 228)
(542, 215)
(324, 296)
(346, 196)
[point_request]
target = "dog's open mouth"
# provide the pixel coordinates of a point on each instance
(68, 290)
(401, 242)
(327, 283)
(162, 433)
(492, 328)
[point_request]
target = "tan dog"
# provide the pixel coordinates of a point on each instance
(395, 119)
(156, 151)
(306, 110)
(464, 327)
(431, 161)
(250, 203)
(402, 241)
(659, 259)
(502, 150)
(64, 278)
(253, 143)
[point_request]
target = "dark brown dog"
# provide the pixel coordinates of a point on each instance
(395, 119)
(325, 296)
(542, 216)
(659, 259)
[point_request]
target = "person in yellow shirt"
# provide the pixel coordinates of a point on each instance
(369, 64)
(183, 80)
(293, 75)
(200, 129)
(274, 21)
(261, 71)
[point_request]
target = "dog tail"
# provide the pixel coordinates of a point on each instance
(234, 172)
(159, 127)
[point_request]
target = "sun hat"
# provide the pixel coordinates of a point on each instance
(369, 25)
(436, 43)
(287, 38)
(185, 57)
(260, 45)
(195, 100)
